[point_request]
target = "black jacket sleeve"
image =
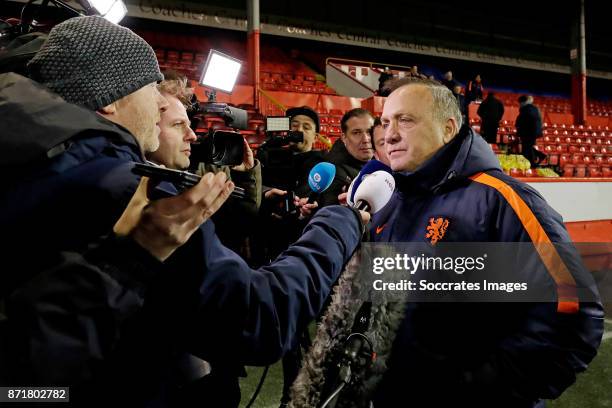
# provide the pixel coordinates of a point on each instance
(69, 318)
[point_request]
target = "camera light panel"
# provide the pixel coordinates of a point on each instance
(277, 123)
(221, 71)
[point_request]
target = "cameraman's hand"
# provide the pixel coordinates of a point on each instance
(342, 198)
(248, 160)
(164, 225)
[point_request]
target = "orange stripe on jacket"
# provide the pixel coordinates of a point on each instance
(566, 285)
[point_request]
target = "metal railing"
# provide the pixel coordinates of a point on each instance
(369, 64)
(269, 106)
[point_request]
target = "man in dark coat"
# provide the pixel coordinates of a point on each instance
(449, 81)
(491, 111)
(383, 82)
(450, 188)
(349, 153)
(529, 128)
(461, 102)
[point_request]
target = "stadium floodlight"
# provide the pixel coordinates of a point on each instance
(112, 10)
(220, 71)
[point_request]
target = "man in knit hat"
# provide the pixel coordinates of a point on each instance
(120, 324)
(106, 68)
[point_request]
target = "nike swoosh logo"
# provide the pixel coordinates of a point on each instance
(380, 228)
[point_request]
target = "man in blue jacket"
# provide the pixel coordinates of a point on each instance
(474, 354)
(118, 328)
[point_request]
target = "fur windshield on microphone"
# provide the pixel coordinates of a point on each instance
(348, 296)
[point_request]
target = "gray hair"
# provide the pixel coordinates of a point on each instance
(445, 105)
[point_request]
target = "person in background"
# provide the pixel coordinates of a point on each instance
(349, 153)
(383, 82)
(378, 140)
(461, 101)
(475, 90)
(491, 111)
(449, 81)
(528, 128)
(414, 73)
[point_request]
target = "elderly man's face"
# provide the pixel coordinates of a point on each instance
(357, 138)
(140, 113)
(176, 136)
(412, 134)
(306, 125)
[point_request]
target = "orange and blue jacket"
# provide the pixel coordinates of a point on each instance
(468, 354)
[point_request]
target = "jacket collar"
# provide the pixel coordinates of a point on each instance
(467, 154)
(340, 155)
(38, 123)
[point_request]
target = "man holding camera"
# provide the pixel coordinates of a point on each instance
(288, 168)
(285, 171)
(235, 219)
(120, 335)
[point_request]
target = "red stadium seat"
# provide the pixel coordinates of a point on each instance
(568, 170)
(594, 171)
(564, 159)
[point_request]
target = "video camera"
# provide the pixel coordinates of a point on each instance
(279, 133)
(277, 159)
(220, 147)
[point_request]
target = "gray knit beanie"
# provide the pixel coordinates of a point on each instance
(92, 62)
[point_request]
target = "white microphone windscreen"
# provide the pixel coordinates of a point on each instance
(376, 189)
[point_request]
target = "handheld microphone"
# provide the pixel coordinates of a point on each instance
(320, 178)
(369, 168)
(374, 191)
